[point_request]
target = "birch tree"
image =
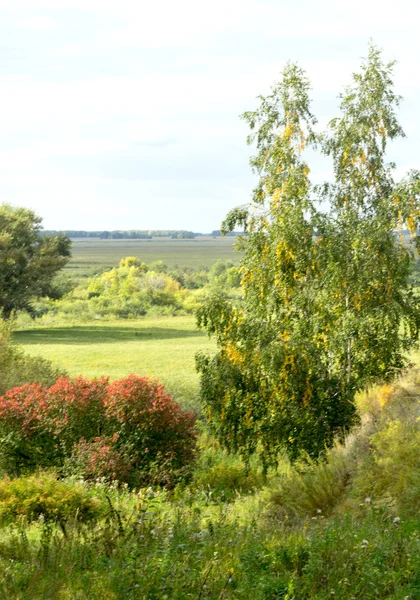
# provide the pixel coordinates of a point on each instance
(327, 306)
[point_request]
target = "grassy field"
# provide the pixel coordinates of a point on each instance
(159, 348)
(92, 255)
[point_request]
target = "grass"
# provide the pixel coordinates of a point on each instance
(161, 348)
(152, 548)
(346, 529)
(92, 255)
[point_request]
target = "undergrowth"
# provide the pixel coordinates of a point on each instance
(344, 527)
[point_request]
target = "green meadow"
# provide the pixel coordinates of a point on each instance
(93, 255)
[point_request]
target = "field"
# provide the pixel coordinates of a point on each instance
(93, 255)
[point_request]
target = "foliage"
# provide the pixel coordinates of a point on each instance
(152, 543)
(132, 288)
(24, 445)
(328, 307)
(135, 288)
(17, 368)
(74, 410)
(28, 262)
(98, 458)
(313, 488)
(395, 472)
(220, 475)
(130, 430)
(148, 547)
(43, 496)
(378, 466)
(389, 472)
(153, 430)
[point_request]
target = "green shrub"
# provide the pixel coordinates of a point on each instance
(227, 478)
(314, 487)
(135, 289)
(18, 368)
(31, 497)
(379, 461)
(221, 475)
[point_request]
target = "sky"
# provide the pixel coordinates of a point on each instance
(125, 114)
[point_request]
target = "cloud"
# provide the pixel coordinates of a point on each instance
(128, 107)
(37, 23)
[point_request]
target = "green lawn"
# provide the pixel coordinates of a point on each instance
(92, 255)
(159, 348)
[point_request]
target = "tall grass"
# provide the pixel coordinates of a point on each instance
(151, 547)
(378, 463)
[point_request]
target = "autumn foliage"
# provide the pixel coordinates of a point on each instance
(129, 430)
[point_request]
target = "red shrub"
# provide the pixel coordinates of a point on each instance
(23, 407)
(75, 409)
(129, 429)
(24, 443)
(98, 458)
(151, 424)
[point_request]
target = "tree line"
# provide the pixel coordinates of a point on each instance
(122, 234)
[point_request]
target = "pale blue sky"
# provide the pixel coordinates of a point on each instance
(124, 114)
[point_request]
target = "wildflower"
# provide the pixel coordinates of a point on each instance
(368, 500)
(397, 520)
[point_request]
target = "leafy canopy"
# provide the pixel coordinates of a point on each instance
(28, 261)
(327, 306)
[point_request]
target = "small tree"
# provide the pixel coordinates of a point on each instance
(28, 261)
(327, 305)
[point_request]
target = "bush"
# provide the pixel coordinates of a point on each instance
(31, 497)
(379, 463)
(130, 430)
(24, 441)
(152, 428)
(99, 459)
(225, 479)
(223, 475)
(135, 289)
(391, 474)
(74, 410)
(18, 368)
(315, 487)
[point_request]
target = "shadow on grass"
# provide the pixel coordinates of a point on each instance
(100, 335)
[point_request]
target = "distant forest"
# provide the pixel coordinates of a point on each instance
(133, 234)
